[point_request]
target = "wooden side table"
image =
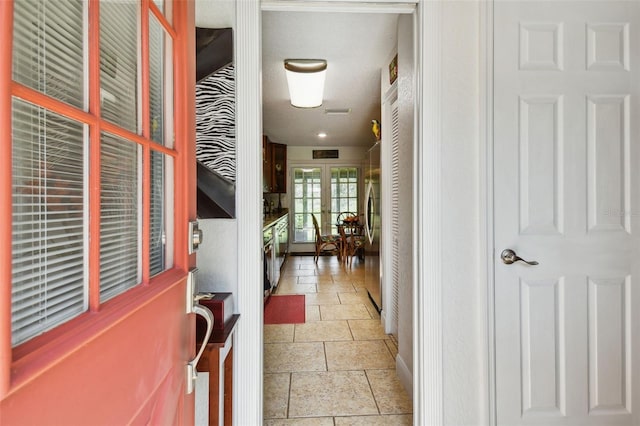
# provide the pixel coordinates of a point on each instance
(217, 360)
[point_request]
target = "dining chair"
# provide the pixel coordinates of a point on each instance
(325, 242)
(347, 218)
(352, 244)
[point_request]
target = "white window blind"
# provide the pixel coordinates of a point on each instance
(48, 278)
(49, 284)
(120, 219)
(161, 111)
(160, 83)
(48, 48)
(119, 53)
(157, 243)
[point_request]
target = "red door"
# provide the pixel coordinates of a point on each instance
(97, 128)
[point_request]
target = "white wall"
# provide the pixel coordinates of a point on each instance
(463, 295)
(217, 258)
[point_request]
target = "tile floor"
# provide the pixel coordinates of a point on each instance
(339, 367)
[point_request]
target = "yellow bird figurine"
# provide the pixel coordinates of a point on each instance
(375, 128)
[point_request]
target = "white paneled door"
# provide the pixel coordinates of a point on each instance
(567, 192)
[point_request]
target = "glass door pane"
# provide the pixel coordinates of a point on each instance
(344, 193)
(307, 200)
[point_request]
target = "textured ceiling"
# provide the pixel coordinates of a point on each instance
(356, 47)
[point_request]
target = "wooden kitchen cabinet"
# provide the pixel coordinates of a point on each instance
(266, 164)
(274, 167)
(279, 168)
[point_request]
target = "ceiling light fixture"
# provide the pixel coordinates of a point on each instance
(322, 135)
(306, 81)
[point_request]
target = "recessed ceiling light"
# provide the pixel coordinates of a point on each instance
(337, 111)
(322, 135)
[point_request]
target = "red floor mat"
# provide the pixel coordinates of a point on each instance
(284, 309)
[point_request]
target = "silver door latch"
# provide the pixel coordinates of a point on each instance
(195, 236)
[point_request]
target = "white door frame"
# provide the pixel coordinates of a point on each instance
(486, 207)
(428, 392)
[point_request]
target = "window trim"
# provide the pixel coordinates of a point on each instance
(30, 359)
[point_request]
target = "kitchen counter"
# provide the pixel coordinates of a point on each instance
(272, 218)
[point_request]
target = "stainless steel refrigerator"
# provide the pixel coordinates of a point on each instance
(372, 207)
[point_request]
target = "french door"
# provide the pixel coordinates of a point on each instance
(324, 190)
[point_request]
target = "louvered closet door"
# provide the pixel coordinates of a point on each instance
(395, 216)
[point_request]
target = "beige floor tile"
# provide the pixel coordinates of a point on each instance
(335, 393)
(335, 288)
(299, 272)
(322, 299)
(278, 333)
(283, 357)
(312, 313)
(393, 420)
(296, 289)
(343, 312)
(307, 266)
(393, 347)
(288, 280)
(372, 310)
(322, 331)
(334, 271)
(311, 421)
(358, 355)
(326, 276)
(325, 273)
(317, 279)
(276, 395)
(308, 279)
(342, 279)
(351, 298)
(388, 392)
(367, 330)
(359, 285)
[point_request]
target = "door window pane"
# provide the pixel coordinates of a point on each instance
(119, 63)
(160, 235)
(344, 193)
(307, 192)
(49, 221)
(119, 216)
(165, 8)
(160, 83)
(48, 48)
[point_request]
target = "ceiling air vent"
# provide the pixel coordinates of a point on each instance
(337, 111)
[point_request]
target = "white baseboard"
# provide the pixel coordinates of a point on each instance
(405, 375)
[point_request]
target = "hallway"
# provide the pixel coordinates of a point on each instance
(338, 368)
